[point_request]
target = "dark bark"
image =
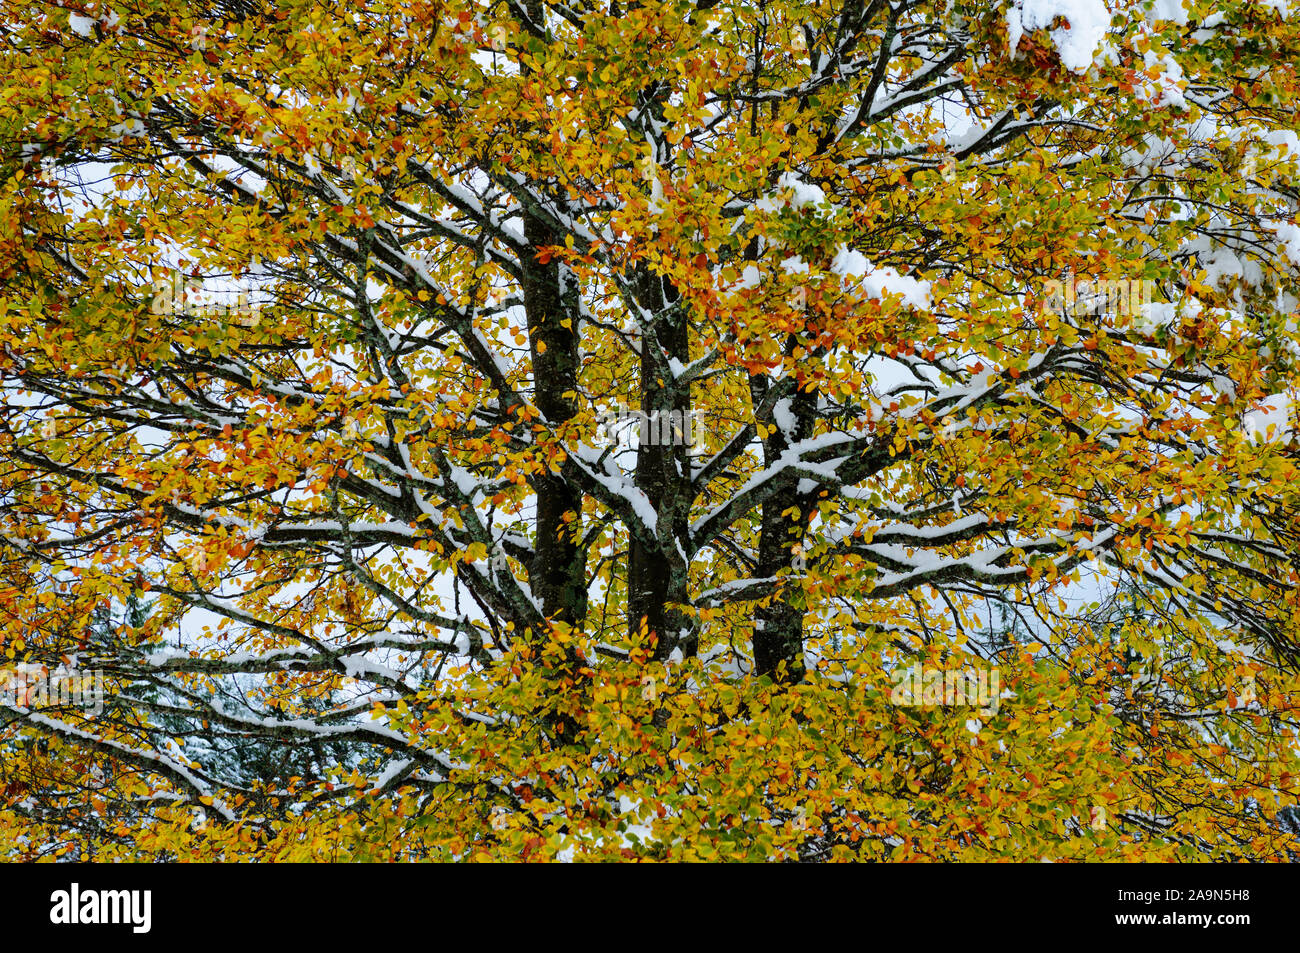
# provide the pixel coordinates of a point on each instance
(778, 624)
(657, 570)
(557, 575)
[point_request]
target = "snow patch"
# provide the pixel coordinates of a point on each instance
(1288, 237)
(877, 282)
(1271, 421)
(1077, 39)
(1172, 11)
(791, 192)
(1166, 88)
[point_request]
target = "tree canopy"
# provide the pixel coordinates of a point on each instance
(554, 429)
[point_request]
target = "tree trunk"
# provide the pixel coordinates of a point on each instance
(657, 569)
(778, 625)
(558, 571)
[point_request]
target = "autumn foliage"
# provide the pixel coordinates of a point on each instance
(329, 334)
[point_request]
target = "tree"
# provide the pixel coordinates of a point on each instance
(920, 309)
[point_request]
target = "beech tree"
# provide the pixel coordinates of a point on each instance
(559, 426)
